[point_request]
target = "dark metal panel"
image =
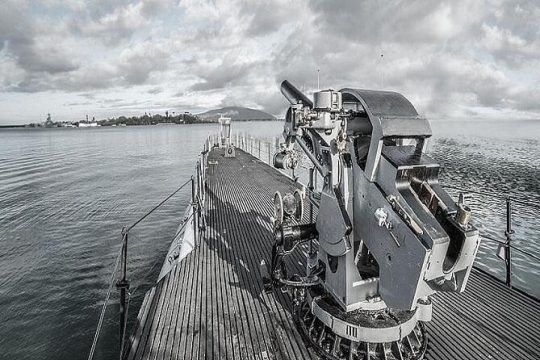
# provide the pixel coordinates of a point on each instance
(390, 113)
(383, 103)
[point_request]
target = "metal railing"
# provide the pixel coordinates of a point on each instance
(505, 247)
(258, 148)
(198, 194)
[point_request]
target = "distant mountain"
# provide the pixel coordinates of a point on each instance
(236, 113)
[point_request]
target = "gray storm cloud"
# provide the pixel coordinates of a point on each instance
(452, 59)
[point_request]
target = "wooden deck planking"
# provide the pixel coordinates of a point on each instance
(135, 338)
(227, 305)
(488, 319)
(254, 247)
(212, 305)
(185, 309)
(252, 307)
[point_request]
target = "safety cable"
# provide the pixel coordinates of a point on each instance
(104, 308)
(113, 274)
(185, 222)
(525, 252)
(483, 236)
(502, 242)
(158, 205)
(487, 193)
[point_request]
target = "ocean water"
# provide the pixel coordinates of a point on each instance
(66, 193)
(498, 160)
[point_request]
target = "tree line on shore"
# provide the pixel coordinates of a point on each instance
(146, 119)
(153, 119)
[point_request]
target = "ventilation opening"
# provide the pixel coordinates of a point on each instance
(351, 331)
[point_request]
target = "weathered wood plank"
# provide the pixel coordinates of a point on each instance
(169, 315)
(154, 312)
(153, 340)
(182, 309)
(139, 326)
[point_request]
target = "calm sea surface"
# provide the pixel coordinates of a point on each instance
(66, 193)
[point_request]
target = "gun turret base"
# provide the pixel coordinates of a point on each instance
(361, 334)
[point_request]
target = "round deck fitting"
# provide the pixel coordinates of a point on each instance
(360, 334)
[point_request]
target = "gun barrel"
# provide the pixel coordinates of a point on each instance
(294, 95)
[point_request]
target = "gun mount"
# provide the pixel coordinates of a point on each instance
(388, 235)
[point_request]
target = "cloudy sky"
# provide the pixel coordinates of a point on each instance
(453, 59)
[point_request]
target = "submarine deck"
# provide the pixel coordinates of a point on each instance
(212, 304)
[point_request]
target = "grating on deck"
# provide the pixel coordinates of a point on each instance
(212, 304)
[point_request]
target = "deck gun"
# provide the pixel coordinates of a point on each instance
(388, 234)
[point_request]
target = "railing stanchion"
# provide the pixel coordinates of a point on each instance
(311, 188)
(123, 284)
(194, 204)
(269, 154)
(507, 245)
(199, 182)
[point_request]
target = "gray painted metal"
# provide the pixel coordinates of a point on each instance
(390, 114)
(380, 197)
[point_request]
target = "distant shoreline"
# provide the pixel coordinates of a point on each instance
(28, 126)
